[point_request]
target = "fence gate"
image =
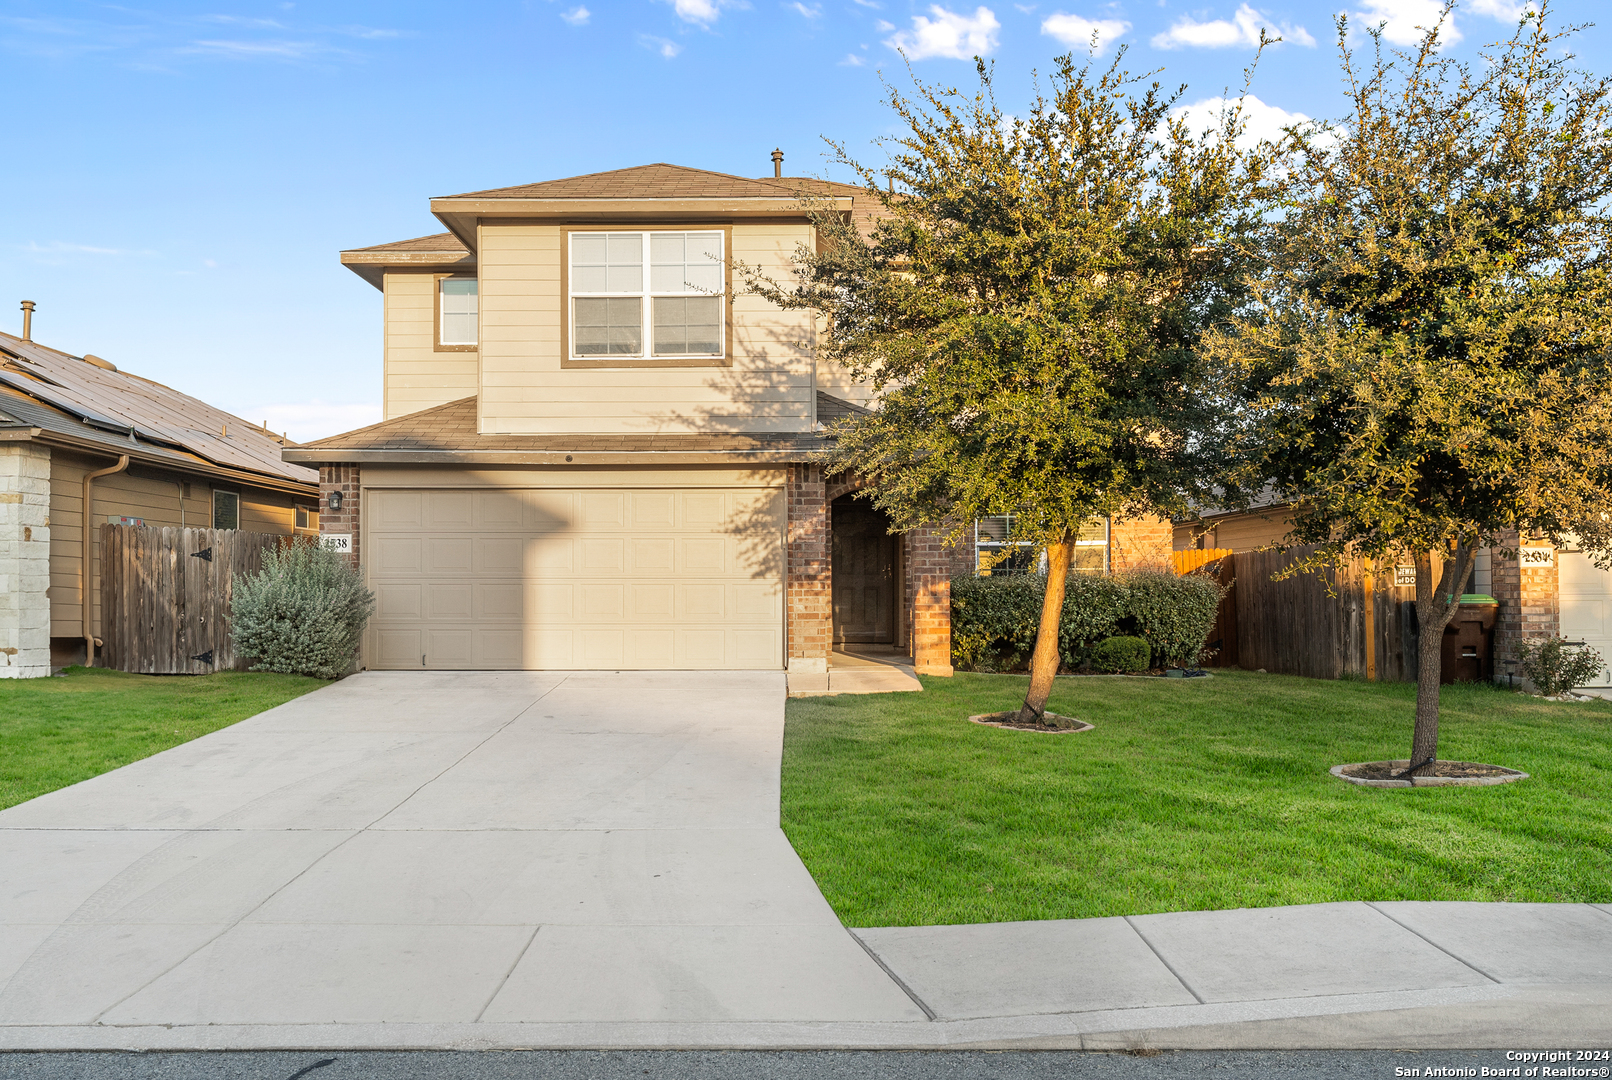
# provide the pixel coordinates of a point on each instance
(165, 596)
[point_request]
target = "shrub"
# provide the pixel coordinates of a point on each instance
(1175, 614)
(303, 614)
(994, 619)
(1120, 654)
(1553, 666)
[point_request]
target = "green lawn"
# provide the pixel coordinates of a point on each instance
(1187, 796)
(58, 731)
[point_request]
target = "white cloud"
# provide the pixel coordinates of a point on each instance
(884, 27)
(666, 48)
(852, 60)
(1405, 21)
(1241, 29)
(703, 12)
(305, 421)
(866, 4)
(1077, 32)
(577, 16)
(1506, 10)
(291, 51)
(1261, 121)
(813, 12)
(948, 34)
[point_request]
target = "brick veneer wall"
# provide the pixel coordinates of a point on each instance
(1141, 544)
(342, 478)
(930, 563)
(1530, 604)
(808, 627)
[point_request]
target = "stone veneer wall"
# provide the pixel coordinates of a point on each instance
(808, 627)
(345, 479)
(24, 560)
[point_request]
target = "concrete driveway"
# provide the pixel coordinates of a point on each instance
(432, 849)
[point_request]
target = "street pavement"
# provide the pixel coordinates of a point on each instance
(594, 860)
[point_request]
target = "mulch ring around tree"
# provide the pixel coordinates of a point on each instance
(1056, 725)
(1440, 774)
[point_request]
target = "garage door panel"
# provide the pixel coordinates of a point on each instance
(652, 600)
(603, 510)
(456, 602)
(394, 509)
(450, 555)
(601, 648)
(501, 602)
(602, 555)
(398, 601)
(547, 600)
(512, 578)
(455, 510)
(393, 555)
(399, 648)
(655, 510)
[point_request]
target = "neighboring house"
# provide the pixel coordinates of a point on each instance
(599, 452)
(146, 453)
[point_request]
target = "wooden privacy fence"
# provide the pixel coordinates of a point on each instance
(165, 596)
(1193, 558)
(1345, 620)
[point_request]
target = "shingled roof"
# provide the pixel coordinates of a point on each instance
(657, 181)
(448, 434)
(442, 243)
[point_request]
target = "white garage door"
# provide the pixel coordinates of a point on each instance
(1586, 605)
(598, 578)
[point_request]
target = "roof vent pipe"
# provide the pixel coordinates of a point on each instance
(27, 320)
(777, 169)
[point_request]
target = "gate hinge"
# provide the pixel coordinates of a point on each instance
(204, 553)
(206, 657)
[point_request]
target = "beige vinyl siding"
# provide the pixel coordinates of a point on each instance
(154, 501)
(1242, 532)
(417, 376)
(524, 390)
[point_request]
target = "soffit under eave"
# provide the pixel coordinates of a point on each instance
(460, 216)
(374, 266)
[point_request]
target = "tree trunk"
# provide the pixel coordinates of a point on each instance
(1044, 660)
(1434, 609)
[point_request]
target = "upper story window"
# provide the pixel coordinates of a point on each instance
(456, 312)
(647, 296)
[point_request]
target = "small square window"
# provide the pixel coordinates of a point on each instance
(456, 323)
(307, 518)
(226, 510)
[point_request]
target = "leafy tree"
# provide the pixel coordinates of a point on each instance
(1028, 306)
(1424, 363)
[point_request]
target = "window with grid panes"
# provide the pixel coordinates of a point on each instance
(646, 294)
(995, 552)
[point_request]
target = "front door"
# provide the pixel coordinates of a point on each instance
(864, 567)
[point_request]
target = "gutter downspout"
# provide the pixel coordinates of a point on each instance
(84, 569)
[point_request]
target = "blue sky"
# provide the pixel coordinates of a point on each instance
(179, 177)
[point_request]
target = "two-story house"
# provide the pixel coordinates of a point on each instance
(599, 452)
